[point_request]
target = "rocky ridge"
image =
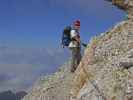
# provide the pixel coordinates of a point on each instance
(105, 71)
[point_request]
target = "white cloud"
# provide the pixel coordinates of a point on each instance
(19, 67)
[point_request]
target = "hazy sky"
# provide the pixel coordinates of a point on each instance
(29, 28)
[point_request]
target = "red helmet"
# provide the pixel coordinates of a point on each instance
(77, 23)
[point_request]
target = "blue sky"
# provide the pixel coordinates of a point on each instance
(39, 23)
(30, 28)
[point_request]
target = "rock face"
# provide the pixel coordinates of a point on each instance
(126, 5)
(53, 87)
(105, 71)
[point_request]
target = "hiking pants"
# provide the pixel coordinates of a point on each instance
(76, 57)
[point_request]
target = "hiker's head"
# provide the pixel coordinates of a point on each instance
(76, 24)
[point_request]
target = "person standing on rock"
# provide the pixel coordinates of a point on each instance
(73, 43)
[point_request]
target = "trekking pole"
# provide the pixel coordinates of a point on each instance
(84, 45)
(108, 0)
(94, 84)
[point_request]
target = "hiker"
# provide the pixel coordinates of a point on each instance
(71, 39)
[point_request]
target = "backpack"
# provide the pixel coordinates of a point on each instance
(66, 38)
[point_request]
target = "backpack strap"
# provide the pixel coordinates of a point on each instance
(66, 36)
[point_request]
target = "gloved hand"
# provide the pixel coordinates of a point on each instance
(85, 45)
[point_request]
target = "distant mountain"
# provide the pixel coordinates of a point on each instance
(9, 95)
(20, 95)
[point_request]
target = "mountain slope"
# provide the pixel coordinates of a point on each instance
(53, 87)
(105, 71)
